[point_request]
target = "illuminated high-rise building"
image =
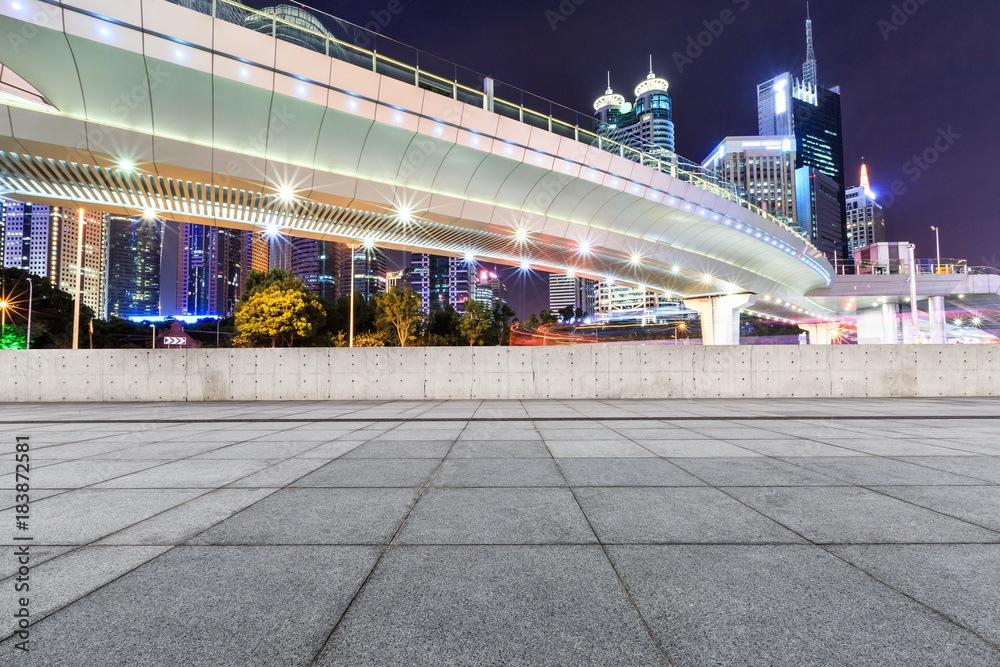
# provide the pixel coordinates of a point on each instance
(620, 302)
(763, 169)
(646, 124)
(442, 281)
(865, 216)
(43, 240)
(209, 270)
(315, 262)
(789, 106)
(132, 260)
(369, 270)
(580, 293)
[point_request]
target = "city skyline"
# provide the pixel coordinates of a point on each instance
(886, 72)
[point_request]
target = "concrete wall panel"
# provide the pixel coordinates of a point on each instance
(581, 372)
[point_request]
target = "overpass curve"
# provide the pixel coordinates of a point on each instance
(145, 106)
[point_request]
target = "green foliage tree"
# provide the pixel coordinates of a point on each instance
(533, 322)
(443, 328)
(278, 313)
(398, 315)
(475, 320)
(567, 313)
(547, 317)
(13, 337)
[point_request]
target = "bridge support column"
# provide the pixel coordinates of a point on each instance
(720, 317)
(935, 309)
(878, 326)
(820, 334)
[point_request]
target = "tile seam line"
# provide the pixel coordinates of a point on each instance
(279, 420)
(382, 554)
(614, 568)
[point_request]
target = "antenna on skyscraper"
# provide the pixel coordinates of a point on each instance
(650, 63)
(809, 74)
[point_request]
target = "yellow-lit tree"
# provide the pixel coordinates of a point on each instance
(279, 313)
(475, 320)
(398, 315)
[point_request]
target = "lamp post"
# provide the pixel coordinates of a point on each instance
(31, 298)
(937, 238)
(354, 249)
(79, 279)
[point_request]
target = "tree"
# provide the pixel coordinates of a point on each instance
(279, 314)
(501, 320)
(444, 327)
(567, 313)
(547, 317)
(258, 281)
(532, 322)
(475, 320)
(398, 314)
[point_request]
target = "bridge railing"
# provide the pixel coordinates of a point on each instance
(923, 267)
(366, 47)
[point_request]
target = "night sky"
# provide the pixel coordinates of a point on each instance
(902, 89)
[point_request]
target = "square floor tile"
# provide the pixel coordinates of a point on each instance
(492, 605)
(214, 606)
(675, 515)
(316, 516)
(372, 472)
(498, 472)
(625, 472)
(784, 606)
(496, 516)
(852, 515)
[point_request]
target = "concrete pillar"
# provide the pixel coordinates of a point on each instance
(878, 326)
(935, 309)
(820, 334)
(720, 317)
(890, 324)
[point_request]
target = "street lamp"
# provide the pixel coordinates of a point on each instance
(31, 298)
(937, 238)
(354, 249)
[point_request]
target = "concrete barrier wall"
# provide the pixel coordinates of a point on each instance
(583, 371)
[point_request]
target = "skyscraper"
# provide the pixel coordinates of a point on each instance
(619, 302)
(763, 169)
(442, 281)
(30, 236)
(92, 277)
(43, 240)
(647, 124)
(865, 216)
(209, 270)
(819, 209)
(132, 260)
(369, 270)
(788, 106)
(315, 262)
(580, 293)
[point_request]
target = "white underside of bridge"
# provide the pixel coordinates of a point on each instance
(221, 124)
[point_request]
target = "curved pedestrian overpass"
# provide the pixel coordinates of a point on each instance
(148, 107)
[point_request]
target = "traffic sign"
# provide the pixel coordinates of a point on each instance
(174, 340)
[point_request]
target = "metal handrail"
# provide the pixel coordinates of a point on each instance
(560, 119)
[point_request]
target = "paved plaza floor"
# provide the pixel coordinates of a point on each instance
(785, 532)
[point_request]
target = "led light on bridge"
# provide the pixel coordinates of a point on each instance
(16, 6)
(245, 73)
(126, 165)
(179, 54)
(272, 230)
(521, 234)
(105, 32)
